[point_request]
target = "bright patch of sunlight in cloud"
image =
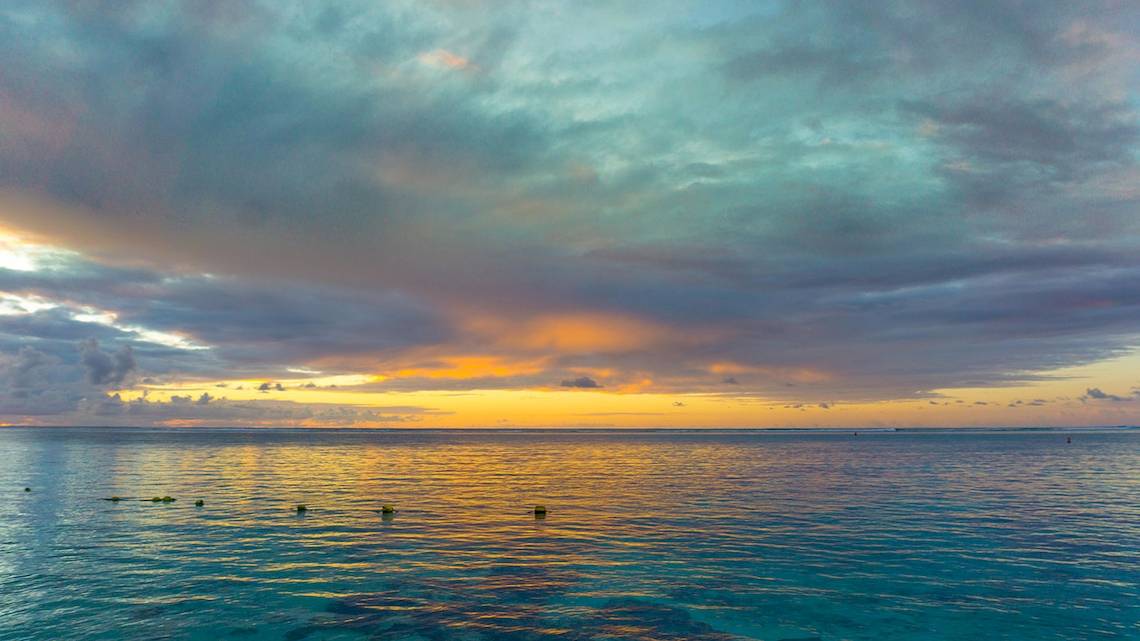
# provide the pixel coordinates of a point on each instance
(17, 254)
(15, 305)
(110, 319)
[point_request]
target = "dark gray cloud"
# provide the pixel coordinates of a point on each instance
(103, 368)
(27, 370)
(1096, 394)
(33, 383)
(582, 382)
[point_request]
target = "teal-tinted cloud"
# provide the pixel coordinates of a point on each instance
(905, 195)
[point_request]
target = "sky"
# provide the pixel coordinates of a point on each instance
(475, 213)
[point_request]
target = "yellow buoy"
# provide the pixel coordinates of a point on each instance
(387, 509)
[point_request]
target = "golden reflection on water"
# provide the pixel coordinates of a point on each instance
(468, 482)
(647, 536)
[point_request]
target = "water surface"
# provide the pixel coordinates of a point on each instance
(650, 535)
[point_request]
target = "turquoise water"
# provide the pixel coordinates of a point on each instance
(711, 537)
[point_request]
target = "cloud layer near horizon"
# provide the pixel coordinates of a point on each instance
(790, 201)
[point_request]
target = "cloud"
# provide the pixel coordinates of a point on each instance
(878, 195)
(254, 328)
(582, 382)
(106, 369)
(33, 383)
(36, 383)
(1095, 393)
(39, 388)
(445, 58)
(208, 411)
(27, 370)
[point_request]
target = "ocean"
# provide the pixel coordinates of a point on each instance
(648, 535)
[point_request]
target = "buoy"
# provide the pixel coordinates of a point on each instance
(199, 503)
(540, 510)
(387, 509)
(301, 509)
(1068, 439)
(27, 489)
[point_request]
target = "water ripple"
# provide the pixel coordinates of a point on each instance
(649, 536)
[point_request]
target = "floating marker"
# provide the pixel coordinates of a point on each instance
(199, 503)
(539, 511)
(387, 509)
(27, 489)
(302, 509)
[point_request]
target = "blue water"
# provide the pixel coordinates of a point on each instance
(712, 537)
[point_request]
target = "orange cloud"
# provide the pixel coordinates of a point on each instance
(445, 58)
(797, 374)
(638, 386)
(463, 367)
(579, 333)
